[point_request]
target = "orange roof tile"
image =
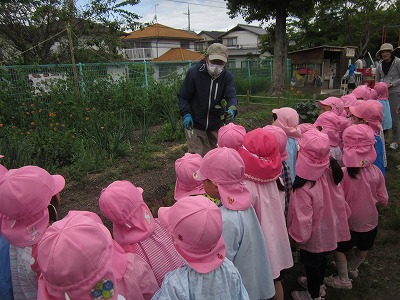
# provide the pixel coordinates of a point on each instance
(161, 31)
(180, 54)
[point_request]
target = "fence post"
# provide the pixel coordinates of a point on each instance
(145, 77)
(82, 79)
(249, 73)
(248, 97)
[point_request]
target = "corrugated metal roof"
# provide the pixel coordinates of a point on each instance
(180, 54)
(162, 32)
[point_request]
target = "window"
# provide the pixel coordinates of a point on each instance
(199, 47)
(231, 42)
(231, 64)
(185, 44)
(143, 45)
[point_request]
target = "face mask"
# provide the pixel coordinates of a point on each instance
(214, 70)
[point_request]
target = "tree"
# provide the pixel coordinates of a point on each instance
(267, 10)
(32, 27)
(339, 23)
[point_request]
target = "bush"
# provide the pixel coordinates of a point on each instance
(307, 110)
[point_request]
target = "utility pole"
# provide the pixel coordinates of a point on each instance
(188, 14)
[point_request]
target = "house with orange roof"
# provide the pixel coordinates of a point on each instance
(155, 40)
(175, 60)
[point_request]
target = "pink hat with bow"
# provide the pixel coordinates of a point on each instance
(185, 184)
(225, 168)
(281, 138)
(371, 111)
(122, 203)
(79, 260)
(335, 103)
(195, 224)
(25, 194)
(231, 136)
(359, 146)
(288, 119)
(382, 90)
(313, 155)
(260, 153)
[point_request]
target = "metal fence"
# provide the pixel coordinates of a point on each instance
(24, 81)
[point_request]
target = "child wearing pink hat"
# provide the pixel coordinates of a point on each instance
(333, 125)
(362, 92)
(333, 104)
(195, 224)
(222, 172)
(383, 97)
(135, 229)
(370, 112)
(79, 260)
(348, 100)
(288, 119)
(25, 195)
(263, 167)
(318, 213)
(231, 136)
(281, 138)
(364, 188)
(185, 184)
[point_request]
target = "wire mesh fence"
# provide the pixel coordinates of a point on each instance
(23, 82)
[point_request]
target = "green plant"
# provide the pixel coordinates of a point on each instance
(307, 110)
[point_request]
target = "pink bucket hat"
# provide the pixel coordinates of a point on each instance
(122, 203)
(335, 103)
(305, 127)
(313, 155)
(185, 184)
(349, 100)
(231, 136)
(382, 89)
(331, 124)
(362, 92)
(3, 169)
(225, 167)
(288, 119)
(25, 194)
(79, 260)
(281, 138)
(260, 153)
(374, 94)
(371, 111)
(195, 224)
(359, 146)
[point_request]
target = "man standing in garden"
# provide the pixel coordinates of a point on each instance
(207, 100)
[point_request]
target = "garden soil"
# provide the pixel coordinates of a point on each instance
(379, 277)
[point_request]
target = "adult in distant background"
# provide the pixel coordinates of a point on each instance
(388, 70)
(360, 62)
(206, 84)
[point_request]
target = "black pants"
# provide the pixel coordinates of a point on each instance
(315, 265)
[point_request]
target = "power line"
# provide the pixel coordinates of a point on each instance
(192, 3)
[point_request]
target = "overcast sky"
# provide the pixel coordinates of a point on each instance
(204, 14)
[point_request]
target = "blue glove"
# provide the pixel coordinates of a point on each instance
(230, 114)
(187, 121)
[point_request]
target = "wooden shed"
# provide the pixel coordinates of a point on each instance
(321, 67)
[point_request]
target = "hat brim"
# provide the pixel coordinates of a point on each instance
(354, 111)
(234, 196)
(25, 232)
(138, 227)
(181, 191)
(359, 156)
(204, 262)
(59, 183)
(217, 57)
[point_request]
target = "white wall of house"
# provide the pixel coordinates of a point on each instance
(156, 48)
(241, 39)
